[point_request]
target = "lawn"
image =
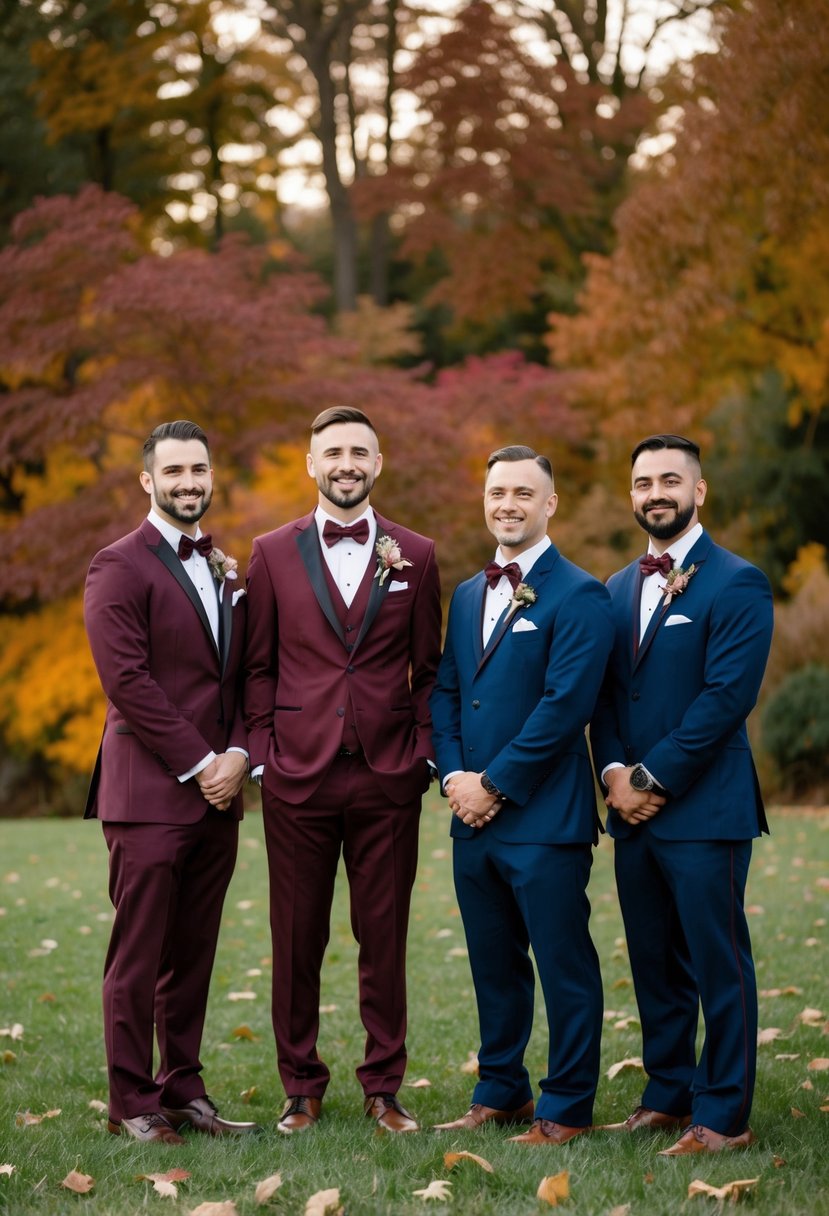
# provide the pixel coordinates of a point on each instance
(54, 924)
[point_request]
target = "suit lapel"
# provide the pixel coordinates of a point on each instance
(167, 554)
(538, 573)
(225, 621)
(308, 544)
(377, 594)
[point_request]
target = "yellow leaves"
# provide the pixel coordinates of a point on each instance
(81, 1184)
(380, 334)
(621, 1065)
(267, 1188)
(554, 1188)
(247, 1095)
(438, 1189)
(324, 1203)
(244, 1032)
(27, 1119)
(731, 1190)
(450, 1160)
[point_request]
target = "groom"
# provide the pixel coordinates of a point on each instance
(165, 627)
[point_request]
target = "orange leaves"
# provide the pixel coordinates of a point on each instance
(81, 1184)
(731, 1190)
(164, 1184)
(452, 1159)
(621, 1065)
(27, 1119)
(554, 1188)
(267, 1188)
(324, 1203)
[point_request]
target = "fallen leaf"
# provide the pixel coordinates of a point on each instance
(168, 1190)
(420, 1083)
(267, 1188)
(806, 1085)
(450, 1159)
(221, 1208)
(328, 1008)
(811, 1017)
(470, 1066)
(98, 1105)
(778, 1162)
(819, 1064)
(15, 1032)
(768, 1035)
(241, 996)
(731, 1190)
(457, 952)
(624, 982)
(27, 1119)
(247, 1094)
(788, 1055)
(8, 1057)
(647, 1177)
(81, 1184)
(788, 991)
(46, 997)
(553, 1188)
(797, 1114)
(323, 1203)
(755, 910)
(6, 1170)
(244, 1032)
(176, 1175)
(621, 1209)
(626, 1023)
(438, 1188)
(620, 1065)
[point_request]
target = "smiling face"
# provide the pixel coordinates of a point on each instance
(179, 482)
(518, 500)
(345, 462)
(667, 493)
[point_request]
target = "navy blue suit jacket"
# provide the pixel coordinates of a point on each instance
(519, 708)
(678, 703)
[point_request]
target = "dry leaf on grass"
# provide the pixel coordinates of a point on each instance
(819, 1064)
(787, 1055)
(470, 1065)
(621, 1209)
(27, 1119)
(790, 990)
(731, 1190)
(620, 1065)
(806, 1085)
(223, 1207)
(324, 1203)
(553, 1188)
(626, 1023)
(6, 1170)
(768, 1035)
(15, 1032)
(241, 996)
(328, 1008)
(797, 1114)
(81, 1184)
(164, 1184)
(450, 1159)
(97, 1105)
(267, 1188)
(624, 982)
(244, 1032)
(438, 1188)
(8, 1057)
(778, 1162)
(811, 1017)
(420, 1083)
(247, 1094)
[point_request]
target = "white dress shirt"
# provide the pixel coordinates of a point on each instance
(346, 559)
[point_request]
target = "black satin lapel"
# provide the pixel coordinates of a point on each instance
(497, 633)
(167, 554)
(308, 544)
(375, 598)
(226, 620)
(650, 632)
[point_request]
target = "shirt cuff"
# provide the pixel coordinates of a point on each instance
(197, 768)
(455, 772)
(608, 767)
(256, 773)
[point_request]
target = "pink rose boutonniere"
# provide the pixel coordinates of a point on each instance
(524, 596)
(677, 580)
(389, 557)
(222, 566)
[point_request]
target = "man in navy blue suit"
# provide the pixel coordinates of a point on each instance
(693, 629)
(526, 648)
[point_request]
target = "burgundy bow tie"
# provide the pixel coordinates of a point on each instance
(493, 574)
(332, 532)
(186, 546)
(654, 565)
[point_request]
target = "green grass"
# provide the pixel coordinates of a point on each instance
(53, 888)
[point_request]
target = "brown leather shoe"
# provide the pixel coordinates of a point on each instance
(146, 1127)
(699, 1139)
(544, 1131)
(644, 1117)
(202, 1115)
(388, 1114)
(299, 1114)
(478, 1115)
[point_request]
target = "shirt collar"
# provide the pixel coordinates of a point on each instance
(169, 531)
(680, 549)
(525, 560)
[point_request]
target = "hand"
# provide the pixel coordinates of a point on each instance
(222, 779)
(634, 806)
(470, 801)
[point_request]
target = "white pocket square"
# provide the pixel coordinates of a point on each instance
(679, 619)
(237, 595)
(522, 625)
(397, 587)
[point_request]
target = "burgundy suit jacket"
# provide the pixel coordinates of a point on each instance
(299, 672)
(172, 696)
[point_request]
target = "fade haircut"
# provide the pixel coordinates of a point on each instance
(340, 413)
(658, 443)
(518, 451)
(181, 429)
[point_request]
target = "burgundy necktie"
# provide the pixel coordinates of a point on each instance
(654, 565)
(186, 546)
(332, 532)
(493, 573)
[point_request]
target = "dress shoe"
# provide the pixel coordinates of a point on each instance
(146, 1127)
(699, 1139)
(202, 1115)
(544, 1131)
(478, 1115)
(388, 1114)
(299, 1114)
(644, 1117)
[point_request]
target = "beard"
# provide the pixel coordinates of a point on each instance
(345, 500)
(185, 510)
(666, 529)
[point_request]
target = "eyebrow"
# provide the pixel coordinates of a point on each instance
(657, 476)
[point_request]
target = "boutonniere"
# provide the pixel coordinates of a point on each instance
(677, 580)
(222, 566)
(389, 557)
(523, 596)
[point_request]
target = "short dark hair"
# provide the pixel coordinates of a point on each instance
(340, 413)
(657, 443)
(518, 451)
(180, 429)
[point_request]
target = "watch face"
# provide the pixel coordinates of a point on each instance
(639, 779)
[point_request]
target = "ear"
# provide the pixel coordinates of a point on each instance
(146, 481)
(700, 490)
(378, 464)
(309, 465)
(552, 505)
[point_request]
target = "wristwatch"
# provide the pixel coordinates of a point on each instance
(641, 779)
(490, 786)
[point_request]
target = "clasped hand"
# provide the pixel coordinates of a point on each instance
(469, 800)
(222, 779)
(634, 806)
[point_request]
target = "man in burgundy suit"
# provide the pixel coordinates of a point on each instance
(165, 619)
(343, 646)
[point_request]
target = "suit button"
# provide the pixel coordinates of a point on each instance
(476, 704)
(634, 696)
(470, 748)
(350, 667)
(350, 647)
(340, 711)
